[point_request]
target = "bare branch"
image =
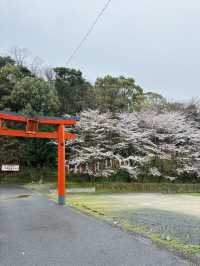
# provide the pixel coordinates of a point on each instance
(20, 55)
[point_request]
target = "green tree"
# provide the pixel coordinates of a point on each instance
(154, 100)
(6, 60)
(74, 92)
(21, 91)
(34, 96)
(10, 74)
(117, 93)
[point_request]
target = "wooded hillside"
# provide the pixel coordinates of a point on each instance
(123, 129)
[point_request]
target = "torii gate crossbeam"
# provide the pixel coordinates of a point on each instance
(32, 131)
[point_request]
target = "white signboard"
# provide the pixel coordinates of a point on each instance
(10, 168)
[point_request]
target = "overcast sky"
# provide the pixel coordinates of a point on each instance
(155, 41)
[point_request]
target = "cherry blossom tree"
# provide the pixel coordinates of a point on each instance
(138, 143)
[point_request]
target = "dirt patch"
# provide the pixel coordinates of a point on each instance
(23, 196)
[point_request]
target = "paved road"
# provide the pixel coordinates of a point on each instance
(35, 231)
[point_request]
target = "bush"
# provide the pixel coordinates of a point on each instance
(148, 187)
(28, 175)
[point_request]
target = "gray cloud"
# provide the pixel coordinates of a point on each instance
(156, 42)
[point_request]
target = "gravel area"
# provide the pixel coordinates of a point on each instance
(173, 216)
(168, 224)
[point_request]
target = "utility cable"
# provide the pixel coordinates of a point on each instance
(88, 33)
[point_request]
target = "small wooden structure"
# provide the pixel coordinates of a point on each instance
(31, 130)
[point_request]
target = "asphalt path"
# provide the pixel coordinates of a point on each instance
(35, 231)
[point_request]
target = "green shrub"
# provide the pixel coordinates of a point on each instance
(148, 187)
(28, 175)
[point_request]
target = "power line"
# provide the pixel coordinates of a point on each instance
(88, 33)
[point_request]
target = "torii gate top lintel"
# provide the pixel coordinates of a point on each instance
(44, 120)
(32, 131)
(32, 124)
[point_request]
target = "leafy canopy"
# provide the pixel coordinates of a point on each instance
(34, 96)
(117, 93)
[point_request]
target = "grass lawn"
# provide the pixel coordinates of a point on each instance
(171, 220)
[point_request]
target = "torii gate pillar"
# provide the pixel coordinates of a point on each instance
(61, 165)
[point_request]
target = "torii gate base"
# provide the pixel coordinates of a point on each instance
(31, 131)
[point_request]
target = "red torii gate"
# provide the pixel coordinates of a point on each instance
(32, 131)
